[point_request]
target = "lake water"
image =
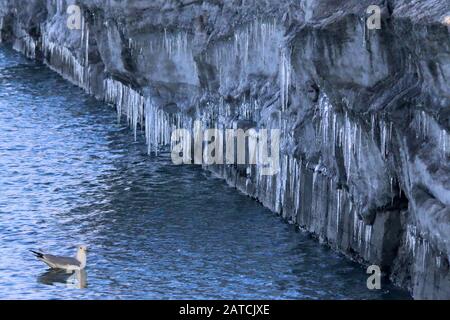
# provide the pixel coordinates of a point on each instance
(71, 174)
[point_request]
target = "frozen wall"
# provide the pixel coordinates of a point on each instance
(364, 114)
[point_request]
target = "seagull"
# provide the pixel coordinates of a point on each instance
(64, 263)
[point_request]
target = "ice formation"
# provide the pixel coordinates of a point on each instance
(60, 6)
(431, 132)
(24, 43)
(257, 41)
(285, 77)
(1, 28)
(141, 111)
(62, 60)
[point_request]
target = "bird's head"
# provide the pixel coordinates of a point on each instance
(82, 248)
(81, 255)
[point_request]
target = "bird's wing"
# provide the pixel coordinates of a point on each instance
(60, 261)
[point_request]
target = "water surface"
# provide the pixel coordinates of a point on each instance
(70, 174)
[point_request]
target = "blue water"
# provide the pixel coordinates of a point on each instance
(70, 174)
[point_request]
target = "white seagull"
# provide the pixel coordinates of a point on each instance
(64, 263)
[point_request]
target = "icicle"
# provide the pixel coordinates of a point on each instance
(359, 145)
(86, 55)
(360, 233)
(438, 262)
(82, 31)
(425, 249)
(1, 28)
(355, 224)
(372, 126)
(367, 239)
(347, 144)
(425, 124)
(411, 234)
(338, 212)
(285, 77)
(324, 123)
(364, 27)
(383, 139)
(392, 190)
(444, 140)
(316, 171)
(281, 184)
(298, 186)
(59, 6)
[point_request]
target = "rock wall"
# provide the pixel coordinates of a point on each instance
(364, 114)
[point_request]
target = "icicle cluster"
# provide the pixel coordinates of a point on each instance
(335, 129)
(427, 129)
(277, 190)
(416, 244)
(257, 41)
(362, 234)
(420, 248)
(253, 46)
(60, 6)
(61, 60)
(283, 192)
(249, 110)
(424, 250)
(174, 45)
(158, 127)
(141, 111)
(301, 200)
(365, 33)
(444, 142)
(255, 37)
(25, 45)
(128, 102)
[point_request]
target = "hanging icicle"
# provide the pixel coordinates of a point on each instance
(62, 60)
(1, 28)
(141, 111)
(285, 77)
(23, 42)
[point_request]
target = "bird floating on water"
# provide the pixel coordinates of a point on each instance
(64, 263)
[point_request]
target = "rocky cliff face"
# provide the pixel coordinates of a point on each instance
(365, 114)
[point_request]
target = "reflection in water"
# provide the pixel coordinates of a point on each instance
(76, 280)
